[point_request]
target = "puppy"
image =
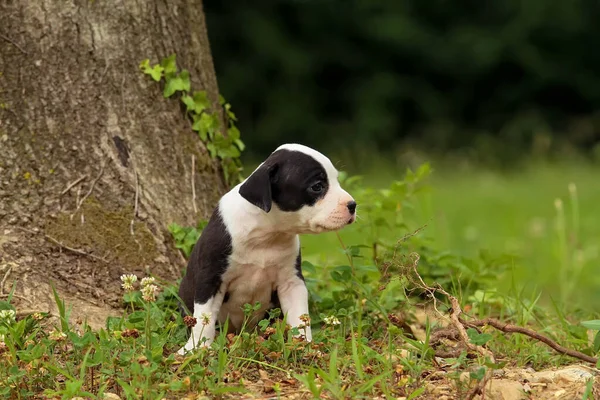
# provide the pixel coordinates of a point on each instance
(250, 250)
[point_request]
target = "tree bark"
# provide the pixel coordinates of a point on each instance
(94, 162)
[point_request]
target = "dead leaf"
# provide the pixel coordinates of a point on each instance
(263, 374)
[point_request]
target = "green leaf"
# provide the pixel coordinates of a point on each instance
(233, 133)
(204, 125)
(239, 144)
(185, 80)
(169, 64)
(211, 149)
(478, 374)
(156, 72)
(189, 102)
(477, 338)
(60, 304)
(171, 87)
(416, 393)
(201, 101)
(597, 342)
(178, 83)
(5, 305)
(592, 324)
(145, 64)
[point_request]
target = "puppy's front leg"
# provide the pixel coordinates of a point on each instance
(206, 315)
(293, 297)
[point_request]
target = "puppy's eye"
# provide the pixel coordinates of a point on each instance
(317, 188)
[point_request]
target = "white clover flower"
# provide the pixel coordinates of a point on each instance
(57, 336)
(149, 292)
(8, 316)
(205, 318)
(147, 281)
(331, 320)
(128, 281)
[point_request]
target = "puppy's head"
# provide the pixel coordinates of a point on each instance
(300, 186)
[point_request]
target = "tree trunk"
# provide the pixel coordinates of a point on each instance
(94, 162)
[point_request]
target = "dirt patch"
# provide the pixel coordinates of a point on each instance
(86, 277)
(564, 383)
(109, 234)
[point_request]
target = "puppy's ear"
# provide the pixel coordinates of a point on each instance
(257, 188)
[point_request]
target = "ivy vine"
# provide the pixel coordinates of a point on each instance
(226, 148)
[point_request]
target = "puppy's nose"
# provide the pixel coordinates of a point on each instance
(351, 206)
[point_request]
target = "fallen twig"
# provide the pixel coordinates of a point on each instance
(24, 313)
(77, 251)
(15, 296)
(72, 185)
(454, 314)
(510, 328)
(459, 324)
(9, 40)
(8, 271)
(135, 207)
(91, 188)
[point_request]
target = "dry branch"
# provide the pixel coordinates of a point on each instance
(510, 328)
(91, 187)
(459, 324)
(73, 250)
(9, 40)
(73, 184)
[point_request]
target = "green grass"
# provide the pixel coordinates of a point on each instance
(497, 242)
(508, 213)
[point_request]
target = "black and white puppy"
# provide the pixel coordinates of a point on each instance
(250, 250)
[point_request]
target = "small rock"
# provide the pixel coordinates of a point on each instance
(405, 353)
(504, 389)
(441, 389)
(111, 396)
(498, 373)
(437, 375)
(569, 374)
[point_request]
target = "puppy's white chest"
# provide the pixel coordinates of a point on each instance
(253, 276)
(249, 280)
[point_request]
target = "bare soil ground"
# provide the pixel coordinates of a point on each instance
(88, 282)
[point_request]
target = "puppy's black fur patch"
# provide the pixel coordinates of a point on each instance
(207, 264)
(290, 179)
(299, 265)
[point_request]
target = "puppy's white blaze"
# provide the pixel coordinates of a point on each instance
(201, 331)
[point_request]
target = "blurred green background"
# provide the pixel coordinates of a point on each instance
(490, 80)
(502, 98)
